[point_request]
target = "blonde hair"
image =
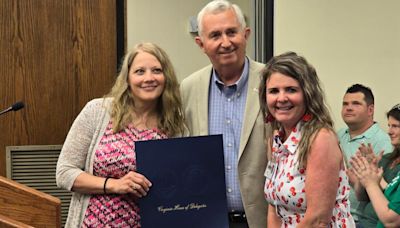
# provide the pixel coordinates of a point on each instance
(169, 107)
(297, 67)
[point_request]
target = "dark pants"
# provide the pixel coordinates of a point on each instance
(237, 220)
(238, 225)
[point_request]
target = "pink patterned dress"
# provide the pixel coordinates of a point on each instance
(285, 185)
(114, 158)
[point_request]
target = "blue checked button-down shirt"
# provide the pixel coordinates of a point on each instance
(226, 110)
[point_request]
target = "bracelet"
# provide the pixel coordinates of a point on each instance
(104, 186)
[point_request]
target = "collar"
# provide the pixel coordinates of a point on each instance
(292, 141)
(369, 133)
(239, 84)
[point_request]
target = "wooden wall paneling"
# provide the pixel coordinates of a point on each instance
(56, 56)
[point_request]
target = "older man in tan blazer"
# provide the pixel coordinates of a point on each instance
(222, 98)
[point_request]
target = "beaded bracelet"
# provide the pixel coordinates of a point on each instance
(104, 186)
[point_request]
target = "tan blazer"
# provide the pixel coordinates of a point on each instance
(252, 150)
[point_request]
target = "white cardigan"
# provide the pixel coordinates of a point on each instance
(77, 154)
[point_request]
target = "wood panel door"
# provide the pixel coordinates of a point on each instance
(55, 56)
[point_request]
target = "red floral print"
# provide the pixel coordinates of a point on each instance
(285, 189)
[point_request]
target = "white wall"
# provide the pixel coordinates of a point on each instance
(348, 42)
(166, 23)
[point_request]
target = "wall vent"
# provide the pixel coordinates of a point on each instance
(35, 166)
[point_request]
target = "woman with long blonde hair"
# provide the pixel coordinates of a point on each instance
(98, 161)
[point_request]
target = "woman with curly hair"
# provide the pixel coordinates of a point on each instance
(306, 183)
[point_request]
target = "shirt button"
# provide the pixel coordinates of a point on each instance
(229, 190)
(228, 167)
(238, 94)
(229, 99)
(229, 144)
(228, 121)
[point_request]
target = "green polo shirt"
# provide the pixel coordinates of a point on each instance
(392, 193)
(379, 140)
(368, 217)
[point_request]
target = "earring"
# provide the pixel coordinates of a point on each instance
(269, 118)
(307, 117)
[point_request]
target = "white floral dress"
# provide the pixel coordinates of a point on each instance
(285, 185)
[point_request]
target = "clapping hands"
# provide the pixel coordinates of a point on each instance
(365, 166)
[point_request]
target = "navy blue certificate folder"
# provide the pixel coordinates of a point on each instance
(188, 180)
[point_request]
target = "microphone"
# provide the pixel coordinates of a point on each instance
(15, 107)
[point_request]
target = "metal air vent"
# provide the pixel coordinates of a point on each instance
(35, 166)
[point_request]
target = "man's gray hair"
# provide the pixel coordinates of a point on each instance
(218, 6)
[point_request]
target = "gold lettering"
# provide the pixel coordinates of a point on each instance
(191, 206)
(164, 209)
(197, 206)
(178, 207)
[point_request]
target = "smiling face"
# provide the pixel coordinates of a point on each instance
(285, 100)
(146, 79)
(394, 131)
(223, 39)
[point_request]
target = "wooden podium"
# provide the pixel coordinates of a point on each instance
(23, 206)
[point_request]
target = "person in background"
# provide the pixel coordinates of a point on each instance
(358, 114)
(222, 99)
(372, 181)
(98, 162)
(306, 183)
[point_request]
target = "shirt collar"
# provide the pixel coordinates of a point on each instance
(292, 142)
(239, 84)
(369, 133)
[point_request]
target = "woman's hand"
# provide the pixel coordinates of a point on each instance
(353, 180)
(370, 176)
(133, 182)
(369, 154)
(366, 172)
(359, 189)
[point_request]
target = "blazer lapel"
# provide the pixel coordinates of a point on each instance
(252, 106)
(202, 104)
